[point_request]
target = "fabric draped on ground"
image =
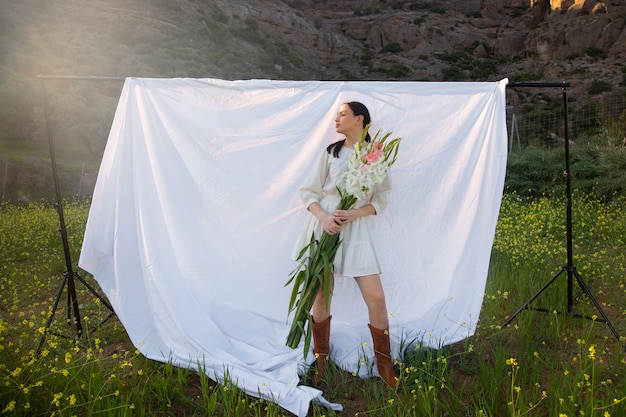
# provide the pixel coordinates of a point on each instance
(196, 211)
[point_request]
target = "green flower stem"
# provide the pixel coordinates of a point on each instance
(312, 274)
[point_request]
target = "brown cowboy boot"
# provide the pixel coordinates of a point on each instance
(321, 348)
(382, 350)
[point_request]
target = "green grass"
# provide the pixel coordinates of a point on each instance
(68, 157)
(24, 159)
(544, 364)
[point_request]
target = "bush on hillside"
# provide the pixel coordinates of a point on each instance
(535, 172)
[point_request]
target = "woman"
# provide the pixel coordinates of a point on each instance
(356, 256)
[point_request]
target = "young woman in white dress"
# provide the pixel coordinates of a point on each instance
(356, 256)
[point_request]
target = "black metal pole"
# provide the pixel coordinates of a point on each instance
(72, 301)
(79, 78)
(70, 274)
(563, 84)
(568, 211)
(570, 268)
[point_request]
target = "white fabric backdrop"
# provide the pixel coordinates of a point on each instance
(196, 211)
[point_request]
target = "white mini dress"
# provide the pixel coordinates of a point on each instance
(356, 256)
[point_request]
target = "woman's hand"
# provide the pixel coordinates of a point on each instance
(347, 216)
(330, 224)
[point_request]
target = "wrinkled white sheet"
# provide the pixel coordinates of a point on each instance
(196, 211)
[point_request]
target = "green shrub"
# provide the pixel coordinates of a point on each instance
(419, 5)
(469, 49)
(518, 12)
(419, 19)
(598, 87)
(367, 12)
(454, 56)
(438, 9)
(534, 172)
(366, 57)
(467, 67)
(453, 73)
(398, 71)
(248, 35)
(585, 118)
(252, 24)
(594, 52)
(613, 106)
(483, 68)
(218, 15)
(393, 47)
(526, 76)
(598, 171)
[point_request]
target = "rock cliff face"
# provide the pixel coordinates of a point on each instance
(436, 40)
(519, 39)
(578, 41)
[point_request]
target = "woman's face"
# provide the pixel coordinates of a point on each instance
(346, 121)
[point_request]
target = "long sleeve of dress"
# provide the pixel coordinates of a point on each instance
(381, 194)
(313, 189)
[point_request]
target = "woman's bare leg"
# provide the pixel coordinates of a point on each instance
(321, 309)
(374, 297)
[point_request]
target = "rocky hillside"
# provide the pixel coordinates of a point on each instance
(567, 40)
(579, 41)
(575, 40)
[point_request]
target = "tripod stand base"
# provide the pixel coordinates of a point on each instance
(572, 272)
(73, 310)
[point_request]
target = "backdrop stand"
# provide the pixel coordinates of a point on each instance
(569, 268)
(69, 276)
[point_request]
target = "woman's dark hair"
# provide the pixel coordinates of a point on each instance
(358, 109)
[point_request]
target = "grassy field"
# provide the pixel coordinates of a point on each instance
(544, 364)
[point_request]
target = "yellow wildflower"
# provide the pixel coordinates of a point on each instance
(9, 407)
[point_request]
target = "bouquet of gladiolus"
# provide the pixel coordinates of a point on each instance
(367, 167)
